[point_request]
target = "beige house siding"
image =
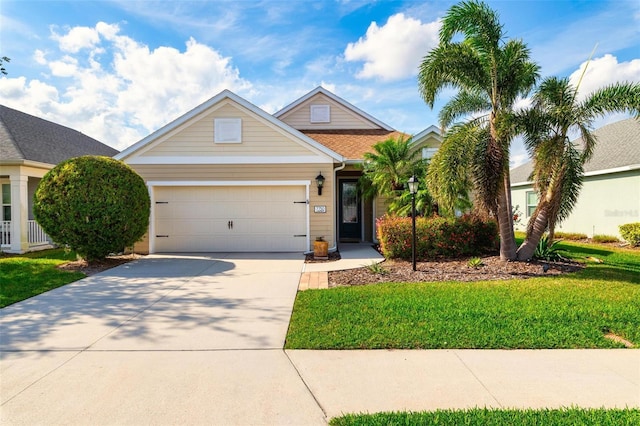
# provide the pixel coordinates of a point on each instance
(340, 117)
(605, 203)
(320, 224)
(197, 138)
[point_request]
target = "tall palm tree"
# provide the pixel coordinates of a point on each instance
(490, 75)
(558, 164)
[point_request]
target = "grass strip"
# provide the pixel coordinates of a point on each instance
(483, 416)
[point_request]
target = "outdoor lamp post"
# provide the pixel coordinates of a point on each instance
(320, 183)
(413, 189)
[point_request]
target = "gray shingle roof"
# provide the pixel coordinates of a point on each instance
(618, 145)
(25, 137)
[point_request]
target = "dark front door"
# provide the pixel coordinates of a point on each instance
(349, 212)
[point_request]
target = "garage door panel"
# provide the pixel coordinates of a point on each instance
(264, 218)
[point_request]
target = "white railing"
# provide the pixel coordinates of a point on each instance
(5, 233)
(36, 235)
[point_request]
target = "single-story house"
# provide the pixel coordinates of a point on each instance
(29, 148)
(228, 176)
(610, 194)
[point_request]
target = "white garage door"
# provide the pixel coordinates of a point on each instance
(230, 218)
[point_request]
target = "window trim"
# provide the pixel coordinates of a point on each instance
(2, 203)
(530, 206)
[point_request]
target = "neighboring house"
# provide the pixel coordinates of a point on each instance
(29, 148)
(228, 176)
(610, 195)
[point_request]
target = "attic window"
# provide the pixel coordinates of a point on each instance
(320, 113)
(227, 130)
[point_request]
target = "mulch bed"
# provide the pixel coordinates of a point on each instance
(493, 268)
(94, 267)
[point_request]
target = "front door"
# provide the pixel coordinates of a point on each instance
(349, 214)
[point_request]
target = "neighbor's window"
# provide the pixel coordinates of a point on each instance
(320, 113)
(428, 153)
(6, 201)
(227, 130)
(532, 202)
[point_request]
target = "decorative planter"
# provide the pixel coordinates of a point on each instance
(321, 250)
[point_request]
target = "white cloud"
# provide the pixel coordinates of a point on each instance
(604, 71)
(116, 89)
(394, 50)
(76, 39)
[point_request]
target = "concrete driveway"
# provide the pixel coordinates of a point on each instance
(162, 340)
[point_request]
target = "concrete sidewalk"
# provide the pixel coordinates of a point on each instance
(418, 380)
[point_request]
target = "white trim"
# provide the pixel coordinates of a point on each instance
(335, 98)
(225, 94)
(622, 169)
(614, 170)
(152, 220)
(238, 159)
(159, 183)
(426, 132)
(228, 183)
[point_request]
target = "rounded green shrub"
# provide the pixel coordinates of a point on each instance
(631, 233)
(94, 205)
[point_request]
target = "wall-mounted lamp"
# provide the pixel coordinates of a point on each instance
(320, 183)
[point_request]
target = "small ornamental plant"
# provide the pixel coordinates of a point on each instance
(94, 205)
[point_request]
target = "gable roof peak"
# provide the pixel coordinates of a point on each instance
(336, 99)
(224, 94)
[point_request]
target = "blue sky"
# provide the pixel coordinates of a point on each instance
(118, 70)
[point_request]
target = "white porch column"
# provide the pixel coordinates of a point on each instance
(19, 213)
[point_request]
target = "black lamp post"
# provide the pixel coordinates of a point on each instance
(413, 188)
(320, 183)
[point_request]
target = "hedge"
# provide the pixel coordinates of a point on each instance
(436, 237)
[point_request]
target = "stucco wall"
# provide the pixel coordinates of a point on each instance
(605, 203)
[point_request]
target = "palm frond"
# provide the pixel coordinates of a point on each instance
(464, 103)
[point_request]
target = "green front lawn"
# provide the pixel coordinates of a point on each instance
(27, 275)
(482, 416)
(569, 311)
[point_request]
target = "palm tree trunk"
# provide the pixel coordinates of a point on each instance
(535, 232)
(505, 223)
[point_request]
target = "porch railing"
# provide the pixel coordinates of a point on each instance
(35, 234)
(5, 233)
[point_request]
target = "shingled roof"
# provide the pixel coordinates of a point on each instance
(26, 137)
(351, 144)
(618, 145)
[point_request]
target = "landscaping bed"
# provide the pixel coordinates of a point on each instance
(492, 268)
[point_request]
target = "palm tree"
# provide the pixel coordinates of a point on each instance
(558, 164)
(387, 169)
(490, 75)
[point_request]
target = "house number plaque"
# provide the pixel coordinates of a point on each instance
(319, 209)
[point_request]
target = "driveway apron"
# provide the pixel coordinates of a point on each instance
(189, 339)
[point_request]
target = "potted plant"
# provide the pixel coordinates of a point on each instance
(320, 249)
